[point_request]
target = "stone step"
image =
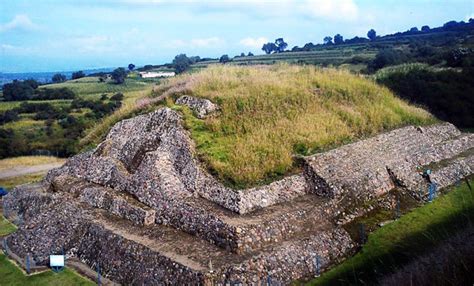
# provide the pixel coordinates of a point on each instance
(158, 254)
(445, 150)
(246, 233)
(115, 202)
(198, 216)
(366, 169)
(453, 172)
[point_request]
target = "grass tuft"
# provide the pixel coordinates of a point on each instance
(271, 113)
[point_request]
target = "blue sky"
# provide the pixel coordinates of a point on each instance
(47, 35)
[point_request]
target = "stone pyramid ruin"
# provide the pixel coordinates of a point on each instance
(141, 206)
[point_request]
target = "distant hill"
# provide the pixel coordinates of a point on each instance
(43, 77)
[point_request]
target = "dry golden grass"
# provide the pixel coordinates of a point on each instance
(270, 113)
(28, 161)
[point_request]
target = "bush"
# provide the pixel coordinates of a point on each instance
(26, 107)
(78, 74)
(54, 93)
(8, 116)
(58, 78)
(117, 97)
(446, 93)
(386, 57)
(181, 63)
(19, 90)
(224, 59)
(119, 75)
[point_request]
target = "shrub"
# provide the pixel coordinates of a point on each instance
(117, 97)
(119, 75)
(19, 90)
(54, 93)
(58, 78)
(8, 116)
(446, 93)
(78, 74)
(386, 57)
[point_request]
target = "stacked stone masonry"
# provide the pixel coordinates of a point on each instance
(142, 207)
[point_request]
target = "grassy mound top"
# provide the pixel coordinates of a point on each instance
(271, 113)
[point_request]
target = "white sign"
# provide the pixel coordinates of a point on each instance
(56, 260)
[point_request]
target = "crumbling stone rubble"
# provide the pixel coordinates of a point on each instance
(200, 106)
(141, 206)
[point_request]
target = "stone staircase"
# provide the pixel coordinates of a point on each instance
(141, 207)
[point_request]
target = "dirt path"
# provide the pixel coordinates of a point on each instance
(25, 170)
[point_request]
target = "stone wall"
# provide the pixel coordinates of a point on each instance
(120, 205)
(101, 205)
(454, 172)
(131, 254)
(372, 167)
(289, 260)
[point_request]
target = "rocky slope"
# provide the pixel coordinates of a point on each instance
(141, 206)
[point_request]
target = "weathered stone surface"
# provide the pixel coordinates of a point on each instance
(120, 205)
(141, 206)
(200, 106)
(372, 167)
(132, 254)
(454, 172)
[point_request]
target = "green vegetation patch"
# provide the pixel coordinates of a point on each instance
(399, 242)
(6, 227)
(270, 113)
(91, 85)
(11, 275)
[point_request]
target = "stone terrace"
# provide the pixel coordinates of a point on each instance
(141, 207)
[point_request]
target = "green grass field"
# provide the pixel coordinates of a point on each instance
(334, 55)
(91, 85)
(397, 243)
(11, 275)
(30, 135)
(268, 114)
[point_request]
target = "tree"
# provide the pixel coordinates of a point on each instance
(250, 54)
(195, 59)
(327, 40)
(31, 82)
(372, 34)
(268, 48)
(425, 28)
(119, 75)
(58, 78)
(117, 97)
(338, 39)
(19, 90)
(281, 45)
(224, 59)
(131, 67)
(386, 57)
(78, 74)
(414, 30)
(181, 63)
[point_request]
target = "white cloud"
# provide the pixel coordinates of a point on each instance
(20, 22)
(255, 43)
(16, 50)
(207, 42)
(340, 10)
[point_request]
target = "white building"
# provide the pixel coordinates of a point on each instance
(156, 74)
